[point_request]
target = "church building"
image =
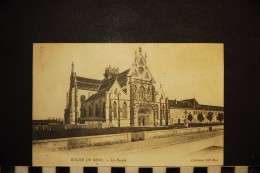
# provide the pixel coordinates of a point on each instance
(122, 99)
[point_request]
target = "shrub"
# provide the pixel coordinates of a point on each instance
(200, 117)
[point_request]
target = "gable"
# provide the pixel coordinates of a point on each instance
(140, 72)
(121, 78)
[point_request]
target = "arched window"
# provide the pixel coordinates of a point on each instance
(82, 98)
(85, 111)
(149, 94)
(97, 113)
(156, 112)
(161, 97)
(163, 113)
(104, 110)
(124, 110)
(134, 91)
(141, 92)
(115, 109)
(89, 111)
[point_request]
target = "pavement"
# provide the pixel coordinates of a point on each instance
(196, 149)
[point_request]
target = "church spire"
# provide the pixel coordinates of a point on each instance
(72, 67)
(140, 49)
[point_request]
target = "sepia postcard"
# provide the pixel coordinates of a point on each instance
(128, 104)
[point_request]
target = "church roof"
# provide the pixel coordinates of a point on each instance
(87, 83)
(121, 78)
(106, 84)
(97, 96)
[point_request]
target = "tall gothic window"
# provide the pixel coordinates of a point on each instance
(104, 110)
(97, 111)
(134, 91)
(115, 110)
(141, 93)
(124, 110)
(149, 94)
(89, 111)
(163, 109)
(156, 112)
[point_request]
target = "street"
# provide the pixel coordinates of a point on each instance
(204, 148)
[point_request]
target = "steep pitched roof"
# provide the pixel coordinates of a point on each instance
(97, 96)
(121, 78)
(87, 83)
(103, 86)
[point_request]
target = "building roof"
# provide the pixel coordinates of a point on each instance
(106, 84)
(180, 104)
(193, 102)
(87, 83)
(121, 78)
(96, 96)
(210, 108)
(189, 104)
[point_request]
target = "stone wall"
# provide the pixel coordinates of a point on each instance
(171, 132)
(78, 142)
(220, 127)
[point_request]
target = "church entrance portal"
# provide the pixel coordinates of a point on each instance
(145, 116)
(142, 120)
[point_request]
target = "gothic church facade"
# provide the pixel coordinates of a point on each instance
(126, 99)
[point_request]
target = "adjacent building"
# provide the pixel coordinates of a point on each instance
(122, 99)
(194, 112)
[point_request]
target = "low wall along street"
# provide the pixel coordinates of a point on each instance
(218, 127)
(78, 142)
(166, 133)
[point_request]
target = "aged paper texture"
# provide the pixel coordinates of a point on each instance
(128, 104)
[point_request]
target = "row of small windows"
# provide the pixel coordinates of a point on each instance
(97, 110)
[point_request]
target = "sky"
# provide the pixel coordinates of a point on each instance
(183, 70)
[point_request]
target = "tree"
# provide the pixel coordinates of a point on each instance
(220, 117)
(190, 117)
(210, 116)
(200, 117)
